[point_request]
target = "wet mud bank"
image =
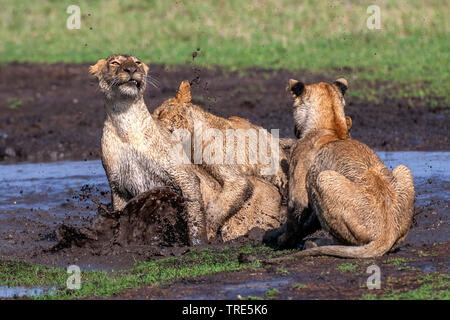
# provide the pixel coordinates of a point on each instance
(60, 116)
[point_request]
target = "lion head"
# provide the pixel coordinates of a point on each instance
(320, 106)
(121, 76)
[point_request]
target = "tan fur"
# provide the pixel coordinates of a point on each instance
(261, 210)
(340, 184)
(237, 187)
(136, 150)
(137, 154)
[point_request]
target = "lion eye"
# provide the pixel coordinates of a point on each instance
(115, 63)
(138, 62)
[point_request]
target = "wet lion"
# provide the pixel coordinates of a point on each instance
(180, 113)
(340, 184)
(138, 155)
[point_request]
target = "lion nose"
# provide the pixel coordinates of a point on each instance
(130, 69)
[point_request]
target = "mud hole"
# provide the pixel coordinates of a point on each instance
(62, 217)
(70, 223)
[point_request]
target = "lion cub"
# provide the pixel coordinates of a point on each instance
(340, 184)
(181, 113)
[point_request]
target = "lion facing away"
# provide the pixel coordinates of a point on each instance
(340, 184)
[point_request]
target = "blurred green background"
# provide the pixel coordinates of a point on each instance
(409, 55)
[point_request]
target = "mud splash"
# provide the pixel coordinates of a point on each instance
(152, 220)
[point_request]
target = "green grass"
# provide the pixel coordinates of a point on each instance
(397, 261)
(409, 56)
(272, 293)
(299, 286)
(347, 267)
(103, 284)
(14, 103)
(432, 286)
(282, 271)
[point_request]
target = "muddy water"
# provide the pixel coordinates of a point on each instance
(422, 164)
(47, 193)
(47, 186)
(60, 189)
(36, 197)
(231, 291)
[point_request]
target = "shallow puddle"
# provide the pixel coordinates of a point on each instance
(422, 164)
(232, 291)
(45, 185)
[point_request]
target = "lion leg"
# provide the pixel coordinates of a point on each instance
(189, 184)
(341, 207)
(347, 214)
(301, 221)
(119, 202)
(236, 189)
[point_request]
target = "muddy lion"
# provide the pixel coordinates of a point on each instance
(138, 155)
(340, 184)
(234, 176)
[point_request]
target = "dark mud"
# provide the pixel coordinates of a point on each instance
(150, 222)
(309, 279)
(53, 214)
(54, 112)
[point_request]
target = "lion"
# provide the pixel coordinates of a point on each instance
(138, 155)
(340, 184)
(180, 113)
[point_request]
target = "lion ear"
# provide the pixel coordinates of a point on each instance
(349, 122)
(146, 68)
(296, 87)
(184, 92)
(342, 84)
(97, 68)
